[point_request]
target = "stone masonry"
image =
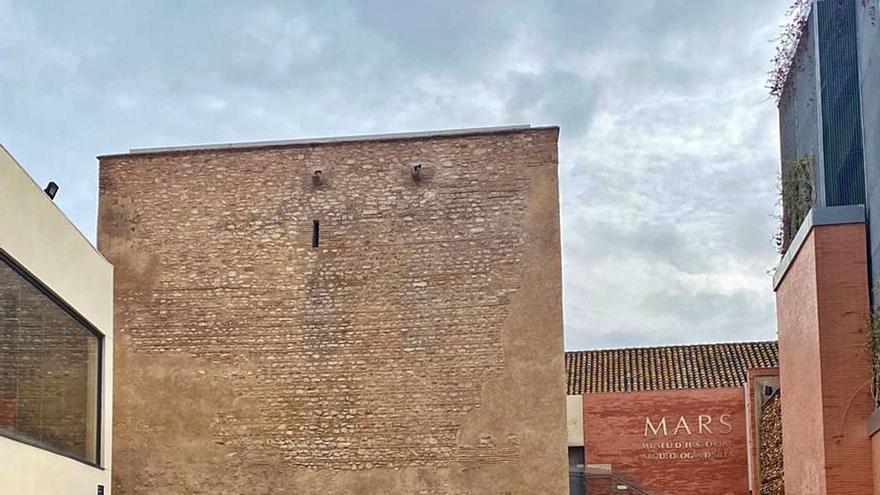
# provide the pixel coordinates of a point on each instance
(416, 349)
(772, 480)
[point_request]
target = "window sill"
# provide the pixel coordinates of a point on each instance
(57, 452)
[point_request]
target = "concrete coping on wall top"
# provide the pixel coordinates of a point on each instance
(874, 422)
(335, 139)
(829, 215)
(50, 201)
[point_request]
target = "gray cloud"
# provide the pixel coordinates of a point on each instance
(668, 150)
(570, 103)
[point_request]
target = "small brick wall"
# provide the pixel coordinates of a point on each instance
(606, 485)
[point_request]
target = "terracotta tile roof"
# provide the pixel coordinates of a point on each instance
(666, 368)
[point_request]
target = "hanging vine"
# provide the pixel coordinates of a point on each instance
(874, 347)
(786, 45)
(871, 7)
(797, 193)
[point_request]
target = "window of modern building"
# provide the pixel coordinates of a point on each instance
(50, 365)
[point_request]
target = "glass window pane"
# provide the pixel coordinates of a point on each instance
(49, 368)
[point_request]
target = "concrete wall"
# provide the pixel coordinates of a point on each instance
(799, 113)
(869, 83)
(575, 420)
(40, 238)
(680, 458)
(825, 367)
(418, 349)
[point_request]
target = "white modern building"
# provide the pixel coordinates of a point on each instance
(56, 347)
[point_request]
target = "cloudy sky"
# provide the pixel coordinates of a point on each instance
(668, 154)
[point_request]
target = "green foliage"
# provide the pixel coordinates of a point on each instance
(874, 346)
(797, 191)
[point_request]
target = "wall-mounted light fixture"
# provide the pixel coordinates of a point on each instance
(317, 178)
(51, 190)
(417, 172)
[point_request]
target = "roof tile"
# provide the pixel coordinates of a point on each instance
(667, 368)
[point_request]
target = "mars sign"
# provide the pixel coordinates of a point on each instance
(702, 424)
(700, 437)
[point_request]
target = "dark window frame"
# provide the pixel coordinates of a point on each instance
(44, 289)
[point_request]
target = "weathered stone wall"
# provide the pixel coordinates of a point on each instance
(418, 349)
(763, 384)
(770, 451)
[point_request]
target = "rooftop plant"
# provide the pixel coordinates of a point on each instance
(797, 193)
(786, 45)
(874, 347)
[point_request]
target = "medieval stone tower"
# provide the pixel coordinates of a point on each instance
(371, 315)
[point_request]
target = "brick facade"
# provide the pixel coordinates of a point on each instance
(417, 349)
(695, 443)
(825, 366)
(875, 460)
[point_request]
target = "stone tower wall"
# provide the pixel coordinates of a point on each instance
(417, 349)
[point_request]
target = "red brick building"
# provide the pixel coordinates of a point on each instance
(823, 316)
(829, 123)
(669, 420)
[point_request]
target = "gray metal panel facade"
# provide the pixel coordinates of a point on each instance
(830, 107)
(844, 169)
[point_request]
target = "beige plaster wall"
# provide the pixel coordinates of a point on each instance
(35, 232)
(575, 420)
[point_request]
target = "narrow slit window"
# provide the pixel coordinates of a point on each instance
(316, 233)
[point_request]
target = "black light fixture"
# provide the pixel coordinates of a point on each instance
(417, 172)
(51, 190)
(318, 178)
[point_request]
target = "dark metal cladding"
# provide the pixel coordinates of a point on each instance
(841, 112)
